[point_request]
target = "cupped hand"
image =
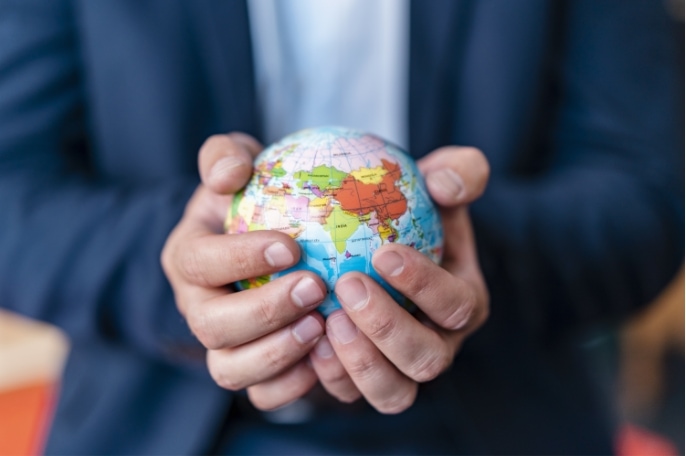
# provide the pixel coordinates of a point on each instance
(259, 338)
(373, 347)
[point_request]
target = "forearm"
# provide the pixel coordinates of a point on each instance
(583, 247)
(77, 248)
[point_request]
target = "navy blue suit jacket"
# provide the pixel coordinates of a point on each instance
(104, 104)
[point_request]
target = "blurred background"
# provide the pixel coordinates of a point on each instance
(646, 384)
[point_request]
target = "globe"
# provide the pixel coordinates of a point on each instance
(341, 194)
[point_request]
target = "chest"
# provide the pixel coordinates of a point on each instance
(160, 78)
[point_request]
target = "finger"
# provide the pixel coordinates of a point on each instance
(230, 320)
(451, 301)
(418, 351)
(226, 161)
(455, 175)
(250, 143)
(331, 373)
(257, 361)
(382, 385)
(188, 296)
(197, 221)
(213, 260)
(198, 252)
(460, 257)
(291, 384)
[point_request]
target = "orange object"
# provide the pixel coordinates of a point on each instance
(32, 355)
(25, 415)
(633, 440)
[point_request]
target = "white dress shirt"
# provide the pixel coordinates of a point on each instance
(333, 62)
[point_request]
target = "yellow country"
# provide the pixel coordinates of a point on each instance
(370, 175)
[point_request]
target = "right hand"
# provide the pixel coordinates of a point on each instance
(259, 338)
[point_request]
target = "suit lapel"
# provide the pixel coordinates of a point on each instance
(224, 44)
(438, 31)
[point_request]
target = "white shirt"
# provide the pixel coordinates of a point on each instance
(333, 62)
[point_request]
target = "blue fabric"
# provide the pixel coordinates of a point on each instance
(104, 104)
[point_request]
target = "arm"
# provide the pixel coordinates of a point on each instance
(600, 231)
(75, 250)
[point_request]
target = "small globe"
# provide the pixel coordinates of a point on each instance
(341, 194)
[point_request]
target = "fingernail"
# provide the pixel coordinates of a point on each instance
(307, 293)
(307, 329)
(342, 328)
(278, 255)
(224, 166)
(323, 349)
(388, 263)
(448, 182)
(352, 293)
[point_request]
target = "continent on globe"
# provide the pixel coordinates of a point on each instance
(341, 194)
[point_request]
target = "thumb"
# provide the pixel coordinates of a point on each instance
(225, 162)
(455, 175)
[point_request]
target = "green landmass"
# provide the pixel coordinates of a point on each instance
(324, 177)
(341, 225)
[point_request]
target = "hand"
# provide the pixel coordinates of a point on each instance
(256, 339)
(373, 347)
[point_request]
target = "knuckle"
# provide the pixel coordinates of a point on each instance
(209, 149)
(204, 328)
(213, 141)
(482, 316)
(237, 139)
(191, 267)
(465, 309)
(482, 168)
(230, 383)
(348, 397)
(383, 329)
(415, 285)
(260, 402)
(242, 263)
(267, 313)
(361, 366)
(274, 359)
(398, 402)
(166, 259)
(346, 392)
(486, 169)
(247, 141)
(430, 366)
(170, 253)
(222, 378)
(334, 378)
(472, 152)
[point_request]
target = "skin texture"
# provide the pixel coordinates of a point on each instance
(272, 341)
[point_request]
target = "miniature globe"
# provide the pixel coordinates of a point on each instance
(341, 194)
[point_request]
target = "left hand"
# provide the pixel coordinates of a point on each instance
(377, 350)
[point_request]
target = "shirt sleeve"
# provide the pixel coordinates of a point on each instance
(76, 249)
(599, 232)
